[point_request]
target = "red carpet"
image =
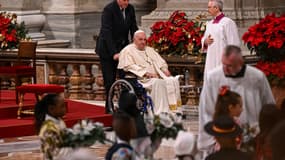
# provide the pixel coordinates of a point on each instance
(10, 126)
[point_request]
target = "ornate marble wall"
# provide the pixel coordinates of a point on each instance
(79, 20)
(244, 12)
(74, 20)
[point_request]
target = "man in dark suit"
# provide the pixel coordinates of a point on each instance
(118, 22)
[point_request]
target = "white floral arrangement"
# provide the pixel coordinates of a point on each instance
(164, 125)
(250, 131)
(83, 134)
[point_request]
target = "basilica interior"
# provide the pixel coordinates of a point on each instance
(66, 32)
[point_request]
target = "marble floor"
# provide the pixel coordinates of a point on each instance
(23, 148)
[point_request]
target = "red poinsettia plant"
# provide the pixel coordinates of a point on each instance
(267, 39)
(10, 31)
(275, 71)
(178, 35)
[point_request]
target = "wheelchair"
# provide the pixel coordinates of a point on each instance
(129, 82)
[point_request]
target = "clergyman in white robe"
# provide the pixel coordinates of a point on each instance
(224, 33)
(165, 90)
(253, 88)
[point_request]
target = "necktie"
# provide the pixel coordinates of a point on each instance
(123, 13)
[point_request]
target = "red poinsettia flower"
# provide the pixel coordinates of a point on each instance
(11, 32)
(178, 35)
(157, 26)
(273, 70)
(267, 38)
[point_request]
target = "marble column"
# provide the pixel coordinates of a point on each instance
(28, 11)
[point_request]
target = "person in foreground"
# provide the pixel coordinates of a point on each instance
(117, 23)
(250, 83)
(49, 124)
(185, 146)
(226, 132)
(229, 103)
(152, 72)
(269, 117)
(277, 139)
(220, 31)
(125, 130)
(128, 104)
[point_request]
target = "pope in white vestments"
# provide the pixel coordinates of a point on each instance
(152, 72)
(248, 81)
(220, 32)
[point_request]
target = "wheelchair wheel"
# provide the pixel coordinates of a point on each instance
(115, 91)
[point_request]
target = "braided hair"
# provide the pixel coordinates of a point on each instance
(41, 109)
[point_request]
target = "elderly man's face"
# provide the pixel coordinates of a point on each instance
(123, 3)
(140, 40)
(212, 9)
(232, 64)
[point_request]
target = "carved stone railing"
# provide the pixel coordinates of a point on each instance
(79, 71)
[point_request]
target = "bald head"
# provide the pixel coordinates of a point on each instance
(232, 49)
(232, 60)
(140, 39)
(138, 32)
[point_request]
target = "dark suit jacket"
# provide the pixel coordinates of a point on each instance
(115, 30)
(229, 154)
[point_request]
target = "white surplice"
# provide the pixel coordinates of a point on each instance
(164, 91)
(224, 33)
(253, 88)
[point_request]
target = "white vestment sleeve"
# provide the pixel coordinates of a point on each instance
(231, 32)
(159, 61)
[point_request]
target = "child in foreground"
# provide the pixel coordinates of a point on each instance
(49, 124)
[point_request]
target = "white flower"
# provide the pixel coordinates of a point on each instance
(177, 118)
(254, 129)
(69, 130)
(89, 127)
(203, 28)
(84, 123)
(77, 128)
(86, 132)
(99, 124)
(166, 120)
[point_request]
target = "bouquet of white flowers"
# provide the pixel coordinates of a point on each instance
(57, 142)
(248, 137)
(83, 134)
(164, 125)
